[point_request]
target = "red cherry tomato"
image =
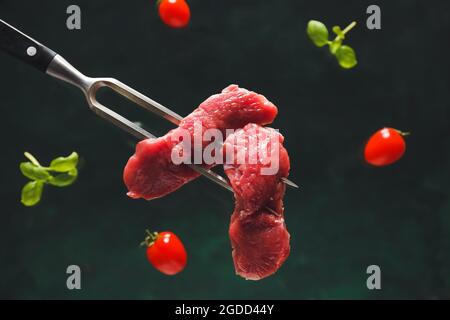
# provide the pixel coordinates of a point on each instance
(385, 147)
(166, 252)
(174, 13)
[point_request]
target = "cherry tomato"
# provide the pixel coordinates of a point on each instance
(165, 252)
(385, 147)
(174, 13)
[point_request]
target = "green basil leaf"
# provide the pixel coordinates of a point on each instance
(34, 172)
(64, 179)
(346, 57)
(317, 32)
(64, 164)
(31, 193)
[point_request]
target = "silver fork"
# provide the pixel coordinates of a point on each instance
(46, 60)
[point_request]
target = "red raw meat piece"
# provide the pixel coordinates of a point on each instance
(151, 174)
(260, 244)
(259, 238)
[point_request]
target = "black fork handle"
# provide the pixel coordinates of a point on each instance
(24, 48)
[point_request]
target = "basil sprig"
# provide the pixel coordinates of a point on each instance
(318, 33)
(62, 172)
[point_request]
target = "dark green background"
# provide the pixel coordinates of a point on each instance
(346, 216)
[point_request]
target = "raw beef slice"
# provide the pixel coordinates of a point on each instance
(150, 172)
(259, 238)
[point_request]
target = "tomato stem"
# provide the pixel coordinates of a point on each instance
(403, 134)
(150, 238)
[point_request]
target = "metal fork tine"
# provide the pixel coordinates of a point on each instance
(211, 175)
(120, 121)
(143, 101)
(290, 183)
